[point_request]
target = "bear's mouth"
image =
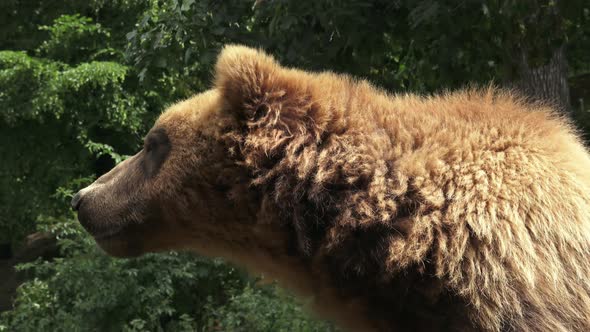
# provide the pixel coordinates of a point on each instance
(119, 242)
(105, 226)
(121, 230)
(99, 229)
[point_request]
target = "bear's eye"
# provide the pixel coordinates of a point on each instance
(149, 146)
(156, 147)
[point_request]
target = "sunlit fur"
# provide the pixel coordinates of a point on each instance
(462, 211)
(477, 189)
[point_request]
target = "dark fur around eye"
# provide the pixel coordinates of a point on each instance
(157, 147)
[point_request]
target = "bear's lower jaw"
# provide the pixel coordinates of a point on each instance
(141, 237)
(122, 241)
(118, 246)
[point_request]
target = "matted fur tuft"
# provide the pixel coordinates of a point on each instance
(469, 210)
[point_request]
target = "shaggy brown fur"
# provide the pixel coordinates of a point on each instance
(466, 211)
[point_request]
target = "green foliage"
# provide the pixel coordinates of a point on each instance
(20, 76)
(87, 290)
(71, 108)
(68, 108)
(93, 292)
(264, 309)
(421, 45)
(73, 38)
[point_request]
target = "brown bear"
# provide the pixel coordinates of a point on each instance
(464, 211)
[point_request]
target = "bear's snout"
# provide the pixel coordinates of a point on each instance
(116, 207)
(89, 216)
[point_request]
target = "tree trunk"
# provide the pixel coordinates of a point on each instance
(547, 83)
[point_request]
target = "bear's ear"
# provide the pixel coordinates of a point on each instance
(283, 116)
(251, 82)
(275, 104)
(245, 76)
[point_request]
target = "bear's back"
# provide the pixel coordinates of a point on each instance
(463, 209)
(499, 191)
(505, 189)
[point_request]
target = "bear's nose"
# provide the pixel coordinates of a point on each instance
(76, 200)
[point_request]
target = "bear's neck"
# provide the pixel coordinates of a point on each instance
(339, 201)
(332, 238)
(338, 287)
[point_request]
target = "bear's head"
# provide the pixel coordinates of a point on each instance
(199, 181)
(284, 172)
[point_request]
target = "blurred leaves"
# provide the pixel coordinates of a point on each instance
(87, 291)
(401, 45)
(50, 112)
(73, 38)
(72, 107)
